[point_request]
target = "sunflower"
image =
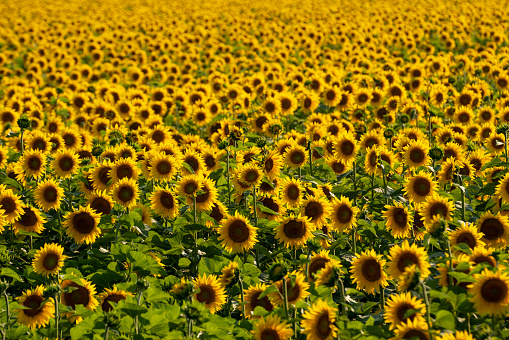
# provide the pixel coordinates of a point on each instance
(368, 271)
(309, 101)
(483, 255)
(36, 314)
(163, 167)
(371, 161)
(436, 205)
(273, 203)
(332, 96)
(32, 164)
(416, 154)
(11, 204)
(30, 220)
(49, 259)
(296, 292)
(38, 141)
(164, 202)
(458, 335)
(189, 185)
(295, 155)
(447, 169)
(48, 195)
(294, 231)
(100, 202)
(467, 233)
(495, 229)
(124, 168)
(477, 159)
(343, 214)
(100, 175)
(490, 293)
(319, 322)
(249, 174)
(82, 294)
(291, 192)
(236, 234)
(3, 156)
(346, 147)
(496, 143)
(253, 300)
(111, 295)
(453, 150)
(72, 138)
(125, 192)
(319, 261)
(82, 225)
(210, 292)
(404, 255)
(316, 209)
(195, 162)
(272, 327)
(503, 189)
(444, 270)
(207, 197)
(228, 273)
(398, 220)
(411, 329)
(217, 213)
(409, 279)
(66, 163)
(398, 305)
(272, 164)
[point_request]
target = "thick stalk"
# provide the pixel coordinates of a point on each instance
(57, 315)
(428, 307)
(382, 298)
(505, 147)
(355, 183)
(384, 172)
(7, 309)
(342, 294)
(136, 328)
(463, 212)
(285, 297)
(106, 333)
(448, 244)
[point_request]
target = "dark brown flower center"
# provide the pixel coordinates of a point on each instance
(438, 208)
(468, 239)
(124, 170)
(294, 229)
(297, 157)
(293, 192)
(34, 163)
(125, 193)
(28, 218)
(101, 205)
(316, 265)
(371, 270)
(400, 217)
(206, 294)
(492, 228)
(407, 259)
(34, 303)
(50, 261)
(417, 155)
(238, 231)
(79, 296)
(66, 163)
(313, 210)
(50, 194)
(344, 214)
(422, 186)
(103, 175)
(216, 213)
(269, 334)
(190, 188)
(106, 306)
(414, 333)
(347, 147)
(494, 290)
(323, 328)
(83, 222)
(401, 311)
(269, 164)
(264, 302)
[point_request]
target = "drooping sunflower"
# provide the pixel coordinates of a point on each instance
(436, 205)
(82, 294)
(163, 167)
(32, 164)
(11, 204)
(252, 297)
(49, 259)
(483, 255)
(319, 322)
(447, 169)
(291, 192)
(189, 185)
(272, 327)
(272, 164)
(344, 214)
(207, 197)
(444, 270)
(296, 292)
(294, 231)
(346, 147)
(124, 168)
(111, 295)
(31, 220)
(66, 163)
(368, 271)
(164, 202)
(82, 225)
(295, 156)
(319, 261)
(416, 154)
(236, 234)
(411, 329)
(317, 209)
(36, 314)
(495, 229)
(126, 192)
(211, 293)
(48, 195)
(398, 305)
(467, 233)
(229, 273)
(398, 220)
(490, 292)
(404, 255)
(409, 279)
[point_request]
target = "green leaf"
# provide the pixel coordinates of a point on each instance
(445, 319)
(195, 227)
(184, 262)
(462, 277)
(260, 311)
(153, 294)
(10, 273)
(266, 210)
(269, 290)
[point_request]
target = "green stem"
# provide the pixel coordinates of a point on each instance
(355, 183)
(311, 159)
(428, 308)
(57, 315)
(354, 241)
(384, 173)
(342, 294)
(294, 317)
(429, 129)
(194, 210)
(190, 328)
(7, 308)
(106, 332)
(382, 298)
(136, 319)
(70, 196)
(285, 297)
(21, 141)
(463, 212)
(494, 324)
(228, 175)
(448, 244)
(241, 287)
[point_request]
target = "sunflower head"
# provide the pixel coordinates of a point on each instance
(49, 259)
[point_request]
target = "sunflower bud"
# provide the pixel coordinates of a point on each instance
(24, 122)
(277, 271)
(142, 285)
(276, 129)
(192, 311)
(236, 133)
(51, 291)
(389, 133)
(451, 80)
(503, 128)
(404, 118)
(3, 286)
(112, 319)
(181, 290)
(261, 142)
(223, 144)
(97, 150)
(436, 153)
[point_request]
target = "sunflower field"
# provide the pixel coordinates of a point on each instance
(263, 170)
